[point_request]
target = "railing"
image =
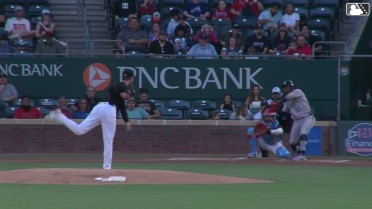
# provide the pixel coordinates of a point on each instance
(90, 50)
(82, 15)
(330, 44)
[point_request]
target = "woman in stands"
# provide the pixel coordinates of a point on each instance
(153, 36)
(227, 103)
(221, 12)
(45, 25)
(232, 50)
(208, 29)
(254, 99)
(82, 109)
(281, 42)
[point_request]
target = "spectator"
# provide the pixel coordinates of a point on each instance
(241, 113)
(148, 105)
(182, 21)
(48, 46)
(259, 41)
(161, 46)
(196, 9)
(208, 29)
(82, 110)
(134, 39)
(232, 50)
(2, 19)
(310, 39)
(175, 14)
(5, 49)
(45, 25)
(245, 8)
(276, 95)
(221, 12)
(258, 115)
(291, 19)
(302, 50)
(254, 99)
(280, 43)
(18, 26)
(91, 98)
(202, 50)
(236, 33)
(7, 91)
(146, 7)
(135, 112)
(63, 105)
(26, 110)
(124, 8)
(180, 40)
(227, 103)
(153, 36)
(270, 19)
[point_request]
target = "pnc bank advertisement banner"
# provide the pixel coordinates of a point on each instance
(169, 78)
(355, 137)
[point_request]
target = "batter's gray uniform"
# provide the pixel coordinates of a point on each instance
(303, 120)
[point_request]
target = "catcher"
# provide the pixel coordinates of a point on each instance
(268, 133)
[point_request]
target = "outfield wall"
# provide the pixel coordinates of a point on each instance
(147, 136)
(176, 78)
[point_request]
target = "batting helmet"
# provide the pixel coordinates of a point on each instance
(288, 83)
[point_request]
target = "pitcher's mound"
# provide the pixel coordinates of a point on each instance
(87, 176)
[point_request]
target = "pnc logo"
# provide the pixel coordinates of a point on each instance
(97, 75)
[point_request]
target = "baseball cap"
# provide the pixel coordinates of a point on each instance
(259, 26)
(131, 99)
(276, 90)
(203, 36)
(3, 75)
(156, 17)
(45, 11)
(128, 73)
(235, 26)
(18, 8)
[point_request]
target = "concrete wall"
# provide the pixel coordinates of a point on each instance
(147, 136)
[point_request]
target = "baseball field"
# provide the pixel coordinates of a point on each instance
(66, 181)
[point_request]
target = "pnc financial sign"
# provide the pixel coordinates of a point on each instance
(359, 139)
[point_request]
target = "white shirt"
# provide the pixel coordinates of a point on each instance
(290, 20)
(17, 26)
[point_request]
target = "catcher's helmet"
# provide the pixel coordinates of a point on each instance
(288, 83)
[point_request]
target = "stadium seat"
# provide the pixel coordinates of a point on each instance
(237, 103)
(47, 103)
(179, 104)
(9, 10)
(197, 114)
(166, 11)
(215, 3)
(9, 111)
(43, 110)
(221, 26)
(35, 10)
(322, 23)
(266, 3)
(331, 3)
(177, 3)
(196, 23)
(39, 2)
(19, 2)
(299, 3)
(322, 12)
(158, 103)
(171, 114)
(204, 105)
(72, 101)
(34, 20)
(223, 114)
(146, 22)
(303, 12)
(321, 35)
(246, 24)
(18, 102)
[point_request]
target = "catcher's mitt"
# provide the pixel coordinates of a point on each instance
(260, 129)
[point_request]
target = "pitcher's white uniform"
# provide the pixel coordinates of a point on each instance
(103, 113)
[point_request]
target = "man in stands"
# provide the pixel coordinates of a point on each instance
(19, 27)
(124, 8)
(134, 38)
(148, 105)
(27, 111)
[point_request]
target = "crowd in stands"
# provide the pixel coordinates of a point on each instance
(25, 32)
(138, 107)
(230, 29)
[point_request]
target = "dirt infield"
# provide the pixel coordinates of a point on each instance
(88, 176)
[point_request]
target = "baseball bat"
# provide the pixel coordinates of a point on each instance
(63, 44)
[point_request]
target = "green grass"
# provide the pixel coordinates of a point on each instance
(298, 187)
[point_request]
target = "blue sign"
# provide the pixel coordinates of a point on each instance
(314, 141)
(359, 139)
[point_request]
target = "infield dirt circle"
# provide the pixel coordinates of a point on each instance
(87, 176)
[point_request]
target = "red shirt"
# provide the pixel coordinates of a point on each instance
(304, 50)
(148, 9)
(32, 113)
(224, 14)
(238, 5)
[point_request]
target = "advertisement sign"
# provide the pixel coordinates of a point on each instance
(359, 139)
(314, 142)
